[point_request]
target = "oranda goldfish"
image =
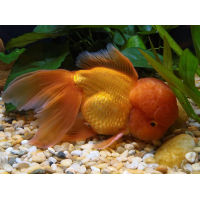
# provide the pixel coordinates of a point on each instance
(106, 95)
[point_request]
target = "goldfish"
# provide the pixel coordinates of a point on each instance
(104, 97)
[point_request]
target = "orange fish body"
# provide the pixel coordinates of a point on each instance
(109, 95)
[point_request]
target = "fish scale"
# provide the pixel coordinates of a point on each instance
(104, 98)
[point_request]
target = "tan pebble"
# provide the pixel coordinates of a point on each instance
(193, 128)
(156, 172)
(148, 149)
(45, 163)
(102, 166)
(16, 147)
(136, 145)
(21, 122)
(95, 172)
(66, 162)
(103, 154)
(58, 148)
(114, 163)
(47, 154)
(71, 148)
(149, 170)
(28, 136)
(196, 149)
(177, 131)
(135, 171)
(95, 159)
(115, 155)
(22, 165)
(162, 169)
(39, 158)
(120, 149)
(138, 159)
(104, 159)
(49, 170)
(156, 142)
(89, 164)
(100, 162)
(195, 140)
(107, 152)
(10, 129)
(149, 160)
(88, 171)
(109, 149)
(124, 154)
(85, 160)
(33, 168)
(119, 166)
(59, 170)
(140, 154)
(129, 147)
(129, 158)
(111, 168)
(196, 133)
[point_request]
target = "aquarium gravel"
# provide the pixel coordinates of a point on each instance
(126, 156)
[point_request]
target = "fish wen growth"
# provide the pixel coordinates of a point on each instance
(105, 97)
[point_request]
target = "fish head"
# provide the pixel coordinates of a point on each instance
(154, 109)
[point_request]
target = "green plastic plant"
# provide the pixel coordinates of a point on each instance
(188, 65)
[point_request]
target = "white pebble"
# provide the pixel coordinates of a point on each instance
(190, 157)
(119, 159)
(194, 124)
(189, 167)
(93, 154)
(9, 149)
(51, 159)
(7, 168)
(18, 160)
(76, 153)
(133, 165)
(51, 150)
(152, 165)
(147, 156)
(24, 142)
(197, 111)
(142, 166)
(95, 169)
(138, 159)
(54, 167)
(196, 167)
(32, 149)
(126, 172)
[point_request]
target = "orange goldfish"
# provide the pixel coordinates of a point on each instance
(105, 98)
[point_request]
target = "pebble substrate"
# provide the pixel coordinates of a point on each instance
(126, 156)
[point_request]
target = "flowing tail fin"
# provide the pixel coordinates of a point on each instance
(53, 96)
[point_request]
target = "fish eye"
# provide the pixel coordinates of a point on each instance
(153, 124)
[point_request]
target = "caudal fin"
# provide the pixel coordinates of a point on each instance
(53, 96)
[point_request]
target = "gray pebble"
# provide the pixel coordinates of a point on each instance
(21, 152)
(11, 161)
(2, 128)
(38, 171)
(69, 172)
(60, 154)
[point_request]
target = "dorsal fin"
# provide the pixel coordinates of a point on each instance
(110, 58)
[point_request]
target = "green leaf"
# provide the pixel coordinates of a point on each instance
(187, 68)
(152, 31)
(154, 52)
(144, 28)
(27, 38)
(12, 56)
(172, 79)
(103, 26)
(53, 29)
(137, 59)
(37, 57)
(162, 32)
(169, 27)
(195, 30)
(134, 41)
(167, 56)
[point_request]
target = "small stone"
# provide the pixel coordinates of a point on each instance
(111, 168)
(120, 149)
(10, 129)
(133, 165)
(8, 168)
(93, 154)
(47, 154)
(76, 153)
(124, 154)
(2, 128)
(58, 148)
(152, 165)
(45, 163)
(33, 167)
(138, 159)
(49, 170)
(32, 149)
(71, 148)
(5, 145)
(9, 149)
(162, 169)
(54, 167)
(65, 146)
(115, 155)
(79, 169)
(69, 172)
(196, 167)
(157, 142)
(129, 147)
(95, 168)
(66, 162)
(119, 166)
(142, 166)
(28, 136)
(11, 161)
(103, 154)
(38, 171)
(190, 157)
(102, 165)
(22, 166)
(196, 133)
(21, 152)
(149, 160)
(131, 152)
(52, 159)
(140, 154)
(188, 168)
(85, 160)
(196, 149)
(39, 158)
(61, 155)
(18, 160)
(51, 150)
(106, 171)
(147, 156)
(89, 164)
